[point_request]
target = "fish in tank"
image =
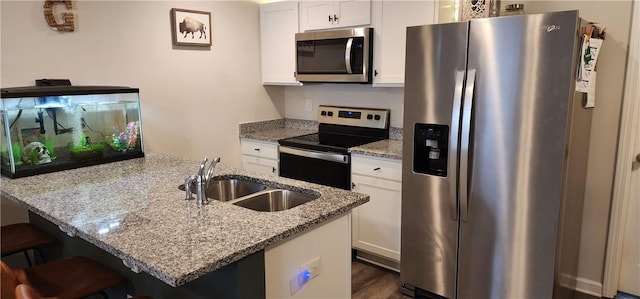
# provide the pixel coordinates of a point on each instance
(53, 128)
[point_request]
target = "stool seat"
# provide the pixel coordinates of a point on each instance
(24, 291)
(19, 237)
(73, 277)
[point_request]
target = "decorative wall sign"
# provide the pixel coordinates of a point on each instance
(51, 20)
(190, 27)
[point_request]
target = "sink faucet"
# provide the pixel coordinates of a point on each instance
(201, 180)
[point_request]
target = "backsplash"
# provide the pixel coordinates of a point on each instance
(349, 95)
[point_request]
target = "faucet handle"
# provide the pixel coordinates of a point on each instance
(188, 182)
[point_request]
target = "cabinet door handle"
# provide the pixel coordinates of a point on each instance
(273, 169)
(353, 186)
(375, 73)
(335, 18)
(330, 19)
(376, 169)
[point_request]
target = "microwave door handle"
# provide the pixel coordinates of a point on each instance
(347, 55)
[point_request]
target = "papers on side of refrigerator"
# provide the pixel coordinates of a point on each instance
(591, 44)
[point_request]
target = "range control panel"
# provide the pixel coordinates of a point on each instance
(351, 116)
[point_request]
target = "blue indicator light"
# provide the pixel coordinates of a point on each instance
(307, 275)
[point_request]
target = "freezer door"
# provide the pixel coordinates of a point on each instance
(509, 226)
(434, 79)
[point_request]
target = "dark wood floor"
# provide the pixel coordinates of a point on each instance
(369, 281)
(372, 282)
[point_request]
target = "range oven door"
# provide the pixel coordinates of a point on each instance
(325, 168)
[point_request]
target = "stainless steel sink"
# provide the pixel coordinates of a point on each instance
(230, 189)
(253, 195)
(275, 200)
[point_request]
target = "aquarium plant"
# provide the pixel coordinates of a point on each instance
(85, 150)
(128, 139)
(16, 151)
(49, 145)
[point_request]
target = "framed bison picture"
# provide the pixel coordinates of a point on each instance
(190, 27)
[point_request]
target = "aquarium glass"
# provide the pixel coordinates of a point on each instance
(55, 131)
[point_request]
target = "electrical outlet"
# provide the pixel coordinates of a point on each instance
(313, 267)
(308, 105)
(306, 273)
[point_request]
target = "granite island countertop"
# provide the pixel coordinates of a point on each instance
(134, 210)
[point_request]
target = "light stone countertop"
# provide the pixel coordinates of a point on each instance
(274, 130)
(388, 148)
(134, 210)
(273, 135)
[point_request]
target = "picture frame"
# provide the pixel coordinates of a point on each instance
(190, 27)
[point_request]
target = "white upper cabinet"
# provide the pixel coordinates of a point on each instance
(315, 15)
(278, 26)
(390, 21)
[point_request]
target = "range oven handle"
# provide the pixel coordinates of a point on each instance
(333, 157)
(347, 55)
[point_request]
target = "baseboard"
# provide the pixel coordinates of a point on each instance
(581, 285)
(378, 261)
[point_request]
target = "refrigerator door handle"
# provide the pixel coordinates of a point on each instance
(464, 144)
(453, 146)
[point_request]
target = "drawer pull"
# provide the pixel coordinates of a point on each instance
(376, 169)
(256, 149)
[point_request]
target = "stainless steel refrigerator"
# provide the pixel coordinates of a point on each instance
(494, 158)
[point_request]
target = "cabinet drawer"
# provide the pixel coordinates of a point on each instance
(377, 167)
(260, 149)
(261, 165)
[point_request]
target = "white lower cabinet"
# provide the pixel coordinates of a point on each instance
(376, 224)
(260, 156)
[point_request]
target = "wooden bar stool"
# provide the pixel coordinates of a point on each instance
(21, 237)
(24, 291)
(73, 277)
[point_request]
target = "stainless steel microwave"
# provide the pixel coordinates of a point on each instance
(344, 56)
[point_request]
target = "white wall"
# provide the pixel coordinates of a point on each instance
(351, 95)
(192, 98)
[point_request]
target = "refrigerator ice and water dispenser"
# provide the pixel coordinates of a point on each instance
(430, 149)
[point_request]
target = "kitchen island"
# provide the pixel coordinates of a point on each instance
(134, 211)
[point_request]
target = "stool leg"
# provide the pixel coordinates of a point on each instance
(44, 259)
(26, 255)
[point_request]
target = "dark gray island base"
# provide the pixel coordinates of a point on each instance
(241, 279)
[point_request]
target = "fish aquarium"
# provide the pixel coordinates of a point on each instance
(53, 128)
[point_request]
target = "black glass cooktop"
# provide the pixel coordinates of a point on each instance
(333, 140)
